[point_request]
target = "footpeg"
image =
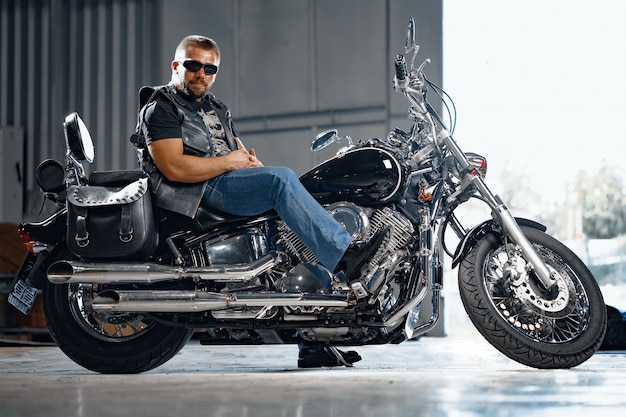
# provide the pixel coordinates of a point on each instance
(358, 290)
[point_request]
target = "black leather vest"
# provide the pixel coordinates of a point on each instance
(183, 198)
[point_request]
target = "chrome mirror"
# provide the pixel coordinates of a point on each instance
(324, 139)
(78, 139)
(409, 43)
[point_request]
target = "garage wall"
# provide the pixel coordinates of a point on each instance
(289, 70)
(60, 56)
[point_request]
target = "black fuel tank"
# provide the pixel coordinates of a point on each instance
(363, 176)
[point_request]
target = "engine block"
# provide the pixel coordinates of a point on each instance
(402, 231)
(294, 246)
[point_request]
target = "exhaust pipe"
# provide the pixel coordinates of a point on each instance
(195, 301)
(70, 272)
(158, 301)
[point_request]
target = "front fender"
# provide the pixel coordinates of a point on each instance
(481, 230)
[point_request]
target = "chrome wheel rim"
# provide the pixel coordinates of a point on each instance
(108, 327)
(557, 316)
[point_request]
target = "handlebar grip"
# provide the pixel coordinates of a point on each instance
(400, 63)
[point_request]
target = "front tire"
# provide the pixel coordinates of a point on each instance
(108, 343)
(561, 328)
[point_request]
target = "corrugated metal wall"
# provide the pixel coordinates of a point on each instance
(89, 56)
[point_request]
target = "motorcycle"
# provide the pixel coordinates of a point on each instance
(125, 285)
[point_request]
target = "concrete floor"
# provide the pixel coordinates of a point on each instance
(458, 375)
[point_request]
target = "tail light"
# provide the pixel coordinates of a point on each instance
(26, 240)
(31, 245)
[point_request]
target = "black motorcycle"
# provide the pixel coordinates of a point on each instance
(125, 284)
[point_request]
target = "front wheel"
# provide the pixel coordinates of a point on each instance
(558, 328)
(108, 343)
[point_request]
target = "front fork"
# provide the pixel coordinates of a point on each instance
(512, 230)
(501, 214)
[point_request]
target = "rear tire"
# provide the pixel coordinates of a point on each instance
(559, 329)
(122, 343)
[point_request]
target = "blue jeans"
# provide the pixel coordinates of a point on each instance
(252, 191)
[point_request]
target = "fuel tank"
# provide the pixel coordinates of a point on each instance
(367, 176)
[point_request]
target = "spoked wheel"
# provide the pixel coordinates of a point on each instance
(557, 328)
(105, 342)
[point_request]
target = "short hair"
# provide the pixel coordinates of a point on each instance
(198, 41)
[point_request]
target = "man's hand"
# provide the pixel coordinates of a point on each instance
(241, 158)
(254, 160)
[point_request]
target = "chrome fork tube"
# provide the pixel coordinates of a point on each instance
(499, 210)
(530, 254)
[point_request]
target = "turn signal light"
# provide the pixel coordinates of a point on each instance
(478, 162)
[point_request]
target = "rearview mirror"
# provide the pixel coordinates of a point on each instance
(409, 43)
(324, 139)
(77, 138)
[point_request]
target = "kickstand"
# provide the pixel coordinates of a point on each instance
(338, 355)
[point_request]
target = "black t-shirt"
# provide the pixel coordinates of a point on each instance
(161, 122)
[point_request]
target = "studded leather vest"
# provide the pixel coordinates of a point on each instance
(183, 198)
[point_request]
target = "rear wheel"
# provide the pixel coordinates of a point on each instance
(104, 342)
(559, 328)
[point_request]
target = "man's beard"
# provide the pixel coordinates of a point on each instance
(187, 89)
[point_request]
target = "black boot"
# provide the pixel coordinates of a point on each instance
(358, 253)
(329, 356)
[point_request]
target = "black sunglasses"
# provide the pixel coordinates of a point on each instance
(194, 66)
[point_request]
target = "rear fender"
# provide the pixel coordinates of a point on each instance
(29, 280)
(483, 229)
(38, 273)
(50, 231)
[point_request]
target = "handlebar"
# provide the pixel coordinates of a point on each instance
(401, 70)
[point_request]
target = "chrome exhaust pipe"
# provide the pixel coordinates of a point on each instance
(194, 301)
(158, 301)
(70, 272)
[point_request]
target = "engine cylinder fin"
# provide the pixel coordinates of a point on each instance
(294, 246)
(402, 231)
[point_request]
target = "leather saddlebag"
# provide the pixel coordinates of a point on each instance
(111, 222)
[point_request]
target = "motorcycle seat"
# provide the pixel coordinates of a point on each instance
(205, 218)
(208, 218)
